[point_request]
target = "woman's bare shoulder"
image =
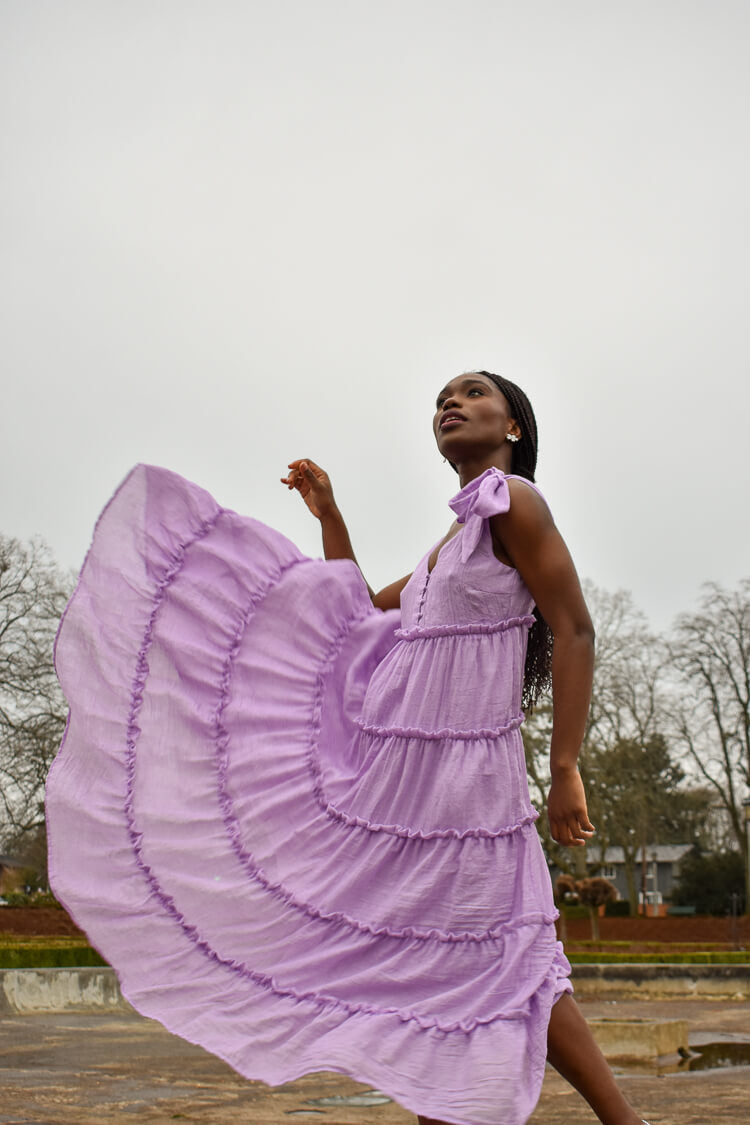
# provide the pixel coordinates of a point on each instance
(527, 501)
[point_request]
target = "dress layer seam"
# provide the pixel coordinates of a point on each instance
(445, 733)
(471, 628)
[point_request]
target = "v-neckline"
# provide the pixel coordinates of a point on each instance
(441, 545)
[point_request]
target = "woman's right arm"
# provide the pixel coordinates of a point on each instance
(314, 486)
(390, 596)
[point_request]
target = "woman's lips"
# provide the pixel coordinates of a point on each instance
(451, 421)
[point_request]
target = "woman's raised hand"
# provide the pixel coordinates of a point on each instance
(313, 485)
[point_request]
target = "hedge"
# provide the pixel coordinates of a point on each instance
(35, 899)
(618, 909)
(735, 958)
(48, 955)
(72, 953)
(575, 910)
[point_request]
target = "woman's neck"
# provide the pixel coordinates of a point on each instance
(470, 469)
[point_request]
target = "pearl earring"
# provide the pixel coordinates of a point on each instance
(512, 437)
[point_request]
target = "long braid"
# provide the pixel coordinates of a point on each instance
(537, 674)
(524, 454)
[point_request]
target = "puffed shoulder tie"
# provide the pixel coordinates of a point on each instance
(487, 495)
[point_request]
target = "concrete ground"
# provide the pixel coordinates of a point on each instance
(89, 1069)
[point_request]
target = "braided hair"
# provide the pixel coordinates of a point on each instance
(537, 675)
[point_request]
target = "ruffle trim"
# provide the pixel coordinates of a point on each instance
(359, 822)
(443, 733)
(477, 628)
(434, 834)
(278, 889)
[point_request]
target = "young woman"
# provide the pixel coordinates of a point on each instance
(485, 426)
(299, 827)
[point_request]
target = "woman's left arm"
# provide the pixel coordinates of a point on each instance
(527, 534)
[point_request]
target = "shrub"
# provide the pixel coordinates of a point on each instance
(620, 908)
(574, 910)
(36, 898)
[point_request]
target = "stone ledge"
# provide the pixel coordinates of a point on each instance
(25, 991)
(662, 982)
(94, 989)
(640, 1038)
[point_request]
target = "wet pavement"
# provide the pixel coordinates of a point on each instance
(96, 1068)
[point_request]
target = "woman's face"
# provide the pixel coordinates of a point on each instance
(472, 416)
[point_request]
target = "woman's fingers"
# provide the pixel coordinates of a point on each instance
(301, 472)
(567, 839)
(301, 462)
(294, 480)
(304, 471)
(572, 833)
(312, 483)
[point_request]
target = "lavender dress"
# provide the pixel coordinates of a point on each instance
(300, 828)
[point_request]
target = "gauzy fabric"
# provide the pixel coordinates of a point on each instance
(299, 828)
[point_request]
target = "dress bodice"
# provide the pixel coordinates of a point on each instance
(468, 583)
(459, 657)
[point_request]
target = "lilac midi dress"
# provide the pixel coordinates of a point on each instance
(298, 827)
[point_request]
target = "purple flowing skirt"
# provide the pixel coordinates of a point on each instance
(276, 815)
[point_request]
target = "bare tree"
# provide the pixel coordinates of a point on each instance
(594, 893)
(32, 710)
(710, 657)
(564, 890)
(590, 892)
(628, 700)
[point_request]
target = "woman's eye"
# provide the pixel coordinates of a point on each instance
(476, 391)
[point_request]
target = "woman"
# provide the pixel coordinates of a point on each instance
(300, 828)
(484, 423)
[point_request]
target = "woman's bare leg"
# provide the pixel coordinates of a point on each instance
(573, 1052)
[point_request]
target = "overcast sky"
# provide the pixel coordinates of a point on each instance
(238, 232)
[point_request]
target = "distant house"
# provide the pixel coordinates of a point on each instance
(655, 878)
(11, 874)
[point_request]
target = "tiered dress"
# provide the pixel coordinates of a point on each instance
(300, 828)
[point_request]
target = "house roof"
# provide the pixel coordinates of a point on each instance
(664, 853)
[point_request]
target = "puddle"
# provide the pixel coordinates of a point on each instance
(706, 1056)
(714, 1056)
(369, 1097)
